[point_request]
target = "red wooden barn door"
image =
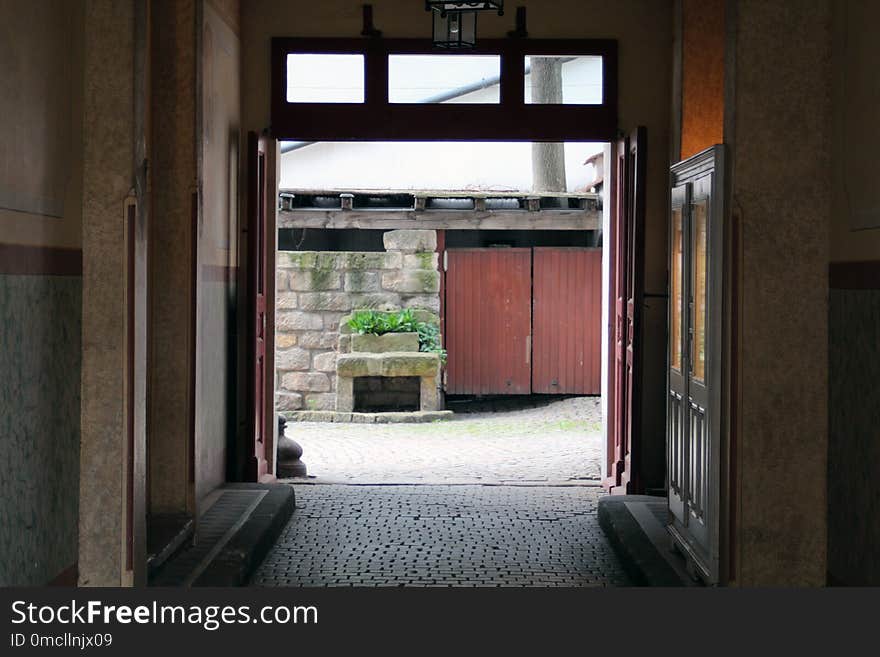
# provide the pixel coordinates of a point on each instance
(257, 283)
(567, 321)
(628, 281)
(488, 321)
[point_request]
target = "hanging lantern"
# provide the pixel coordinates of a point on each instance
(455, 23)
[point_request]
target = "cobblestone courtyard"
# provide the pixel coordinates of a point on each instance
(535, 525)
(553, 443)
(442, 536)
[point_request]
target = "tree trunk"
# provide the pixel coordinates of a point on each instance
(548, 158)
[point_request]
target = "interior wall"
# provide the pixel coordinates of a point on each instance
(108, 174)
(173, 186)
(702, 75)
(854, 323)
(780, 147)
(643, 29)
(218, 230)
(41, 96)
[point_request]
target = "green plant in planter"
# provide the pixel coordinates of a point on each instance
(429, 340)
(378, 323)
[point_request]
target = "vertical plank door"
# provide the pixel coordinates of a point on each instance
(488, 321)
(567, 321)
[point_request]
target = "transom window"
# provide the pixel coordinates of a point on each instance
(403, 90)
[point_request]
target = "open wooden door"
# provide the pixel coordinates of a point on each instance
(258, 367)
(695, 321)
(628, 276)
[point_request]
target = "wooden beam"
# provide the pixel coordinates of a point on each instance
(443, 219)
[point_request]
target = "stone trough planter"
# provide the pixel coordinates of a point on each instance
(388, 355)
(387, 342)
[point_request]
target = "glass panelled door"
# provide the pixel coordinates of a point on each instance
(676, 415)
(694, 390)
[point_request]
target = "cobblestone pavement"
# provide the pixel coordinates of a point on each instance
(558, 442)
(442, 536)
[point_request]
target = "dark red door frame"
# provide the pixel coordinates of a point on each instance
(256, 463)
(509, 120)
(619, 263)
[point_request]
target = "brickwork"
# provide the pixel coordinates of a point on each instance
(316, 290)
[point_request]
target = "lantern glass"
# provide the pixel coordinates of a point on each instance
(455, 30)
(480, 5)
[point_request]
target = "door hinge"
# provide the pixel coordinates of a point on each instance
(445, 261)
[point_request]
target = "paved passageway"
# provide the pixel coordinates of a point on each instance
(488, 499)
(442, 536)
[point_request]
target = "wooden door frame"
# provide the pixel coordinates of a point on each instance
(258, 463)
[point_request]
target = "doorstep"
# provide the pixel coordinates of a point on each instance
(635, 526)
(232, 537)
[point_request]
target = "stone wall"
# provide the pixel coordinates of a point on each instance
(315, 290)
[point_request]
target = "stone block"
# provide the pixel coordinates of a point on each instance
(423, 302)
(414, 417)
(376, 301)
(280, 281)
(325, 301)
(393, 260)
(410, 240)
(385, 343)
(417, 281)
(344, 394)
(312, 280)
(362, 281)
(317, 339)
(429, 395)
(296, 259)
(285, 301)
(285, 340)
(305, 381)
(424, 260)
(325, 362)
(387, 364)
(295, 358)
(310, 416)
(288, 401)
(298, 321)
(321, 402)
(331, 321)
(359, 260)
(343, 344)
(426, 316)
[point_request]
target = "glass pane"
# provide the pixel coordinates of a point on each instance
(564, 80)
(700, 214)
(325, 78)
(444, 79)
(676, 291)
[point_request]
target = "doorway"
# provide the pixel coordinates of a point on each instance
(539, 273)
